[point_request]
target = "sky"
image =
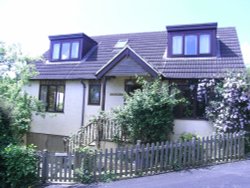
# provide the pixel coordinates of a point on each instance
(30, 22)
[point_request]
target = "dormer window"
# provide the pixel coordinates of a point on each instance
(68, 50)
(191, 44)
(70, 47)
(192, 40)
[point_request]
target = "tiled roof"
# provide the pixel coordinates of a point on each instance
(151, 46)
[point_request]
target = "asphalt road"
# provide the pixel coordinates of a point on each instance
(231, 175)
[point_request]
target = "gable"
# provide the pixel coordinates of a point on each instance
(126, 63)
(127, 67)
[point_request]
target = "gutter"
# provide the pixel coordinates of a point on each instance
(83, 102)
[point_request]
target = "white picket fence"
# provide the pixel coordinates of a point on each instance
(142, 160)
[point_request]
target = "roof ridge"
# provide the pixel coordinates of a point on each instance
(132, 33)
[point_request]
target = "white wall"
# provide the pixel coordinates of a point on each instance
(60, 123)
(115, 92)
(199, 127)
(90, 110)
(70, 121)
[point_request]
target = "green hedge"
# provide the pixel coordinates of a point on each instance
(20, 165)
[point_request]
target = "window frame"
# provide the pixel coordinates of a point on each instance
(135, 85)
(91, 84)
(183, 34)
(49, 84)
(61, 42)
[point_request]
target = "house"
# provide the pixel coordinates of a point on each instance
(82, 75)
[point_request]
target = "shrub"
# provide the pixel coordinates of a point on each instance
(148, 112)
(188, 136)
(84, 173)
(228, 102)
(21, 165)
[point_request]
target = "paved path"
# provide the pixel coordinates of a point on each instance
(231, 175)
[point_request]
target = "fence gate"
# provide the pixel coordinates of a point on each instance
(56, 167)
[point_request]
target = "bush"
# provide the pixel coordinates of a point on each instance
(228, 102)
(148, 112)
(188, 137)
(21, 165)
(84, 173)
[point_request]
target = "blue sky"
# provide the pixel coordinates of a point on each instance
(30, 22)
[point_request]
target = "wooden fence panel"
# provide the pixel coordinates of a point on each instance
(142, 159)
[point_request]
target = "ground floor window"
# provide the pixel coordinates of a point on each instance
(94, 93)
(131, 86)
(52, 94)
(194, 109)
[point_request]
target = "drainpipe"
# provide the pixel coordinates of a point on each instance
(83, 101)
(104, 93)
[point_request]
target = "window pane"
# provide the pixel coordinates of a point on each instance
(131, 86)
(94, 94)
(191, 45)
(56, 51)
(65, 50)
(43, 94)
(60, 98)
(51, 98)
(75, 50)
(177, 45)
(204, 44)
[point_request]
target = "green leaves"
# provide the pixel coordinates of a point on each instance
(12, 82)
(20, 165)
(148, 113)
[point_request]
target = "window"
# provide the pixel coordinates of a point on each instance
(194, 109)
(56, 51)
(177, 45)
(131, 86)
(204, 44)
(75, 50)
(52, 94)
(68, 50)
(191, 44)
(65, 50)
(121, 43)
(94, 93)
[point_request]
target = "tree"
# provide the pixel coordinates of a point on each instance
(228, 102)
(15, 72)
(148, 112)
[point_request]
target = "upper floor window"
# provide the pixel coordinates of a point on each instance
(68, 50)
(191, 44)
(192, 40)
(71, 47)
(121, 43)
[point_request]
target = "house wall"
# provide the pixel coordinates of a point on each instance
(60, 123)
(115, 90)
(48, 132)
(199, 127)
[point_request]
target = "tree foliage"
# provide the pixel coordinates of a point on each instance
(21, 166)
(148, 112)
(15, 72)
(228, 102)
(17, 163)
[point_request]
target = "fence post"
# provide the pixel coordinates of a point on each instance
(45, 166)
